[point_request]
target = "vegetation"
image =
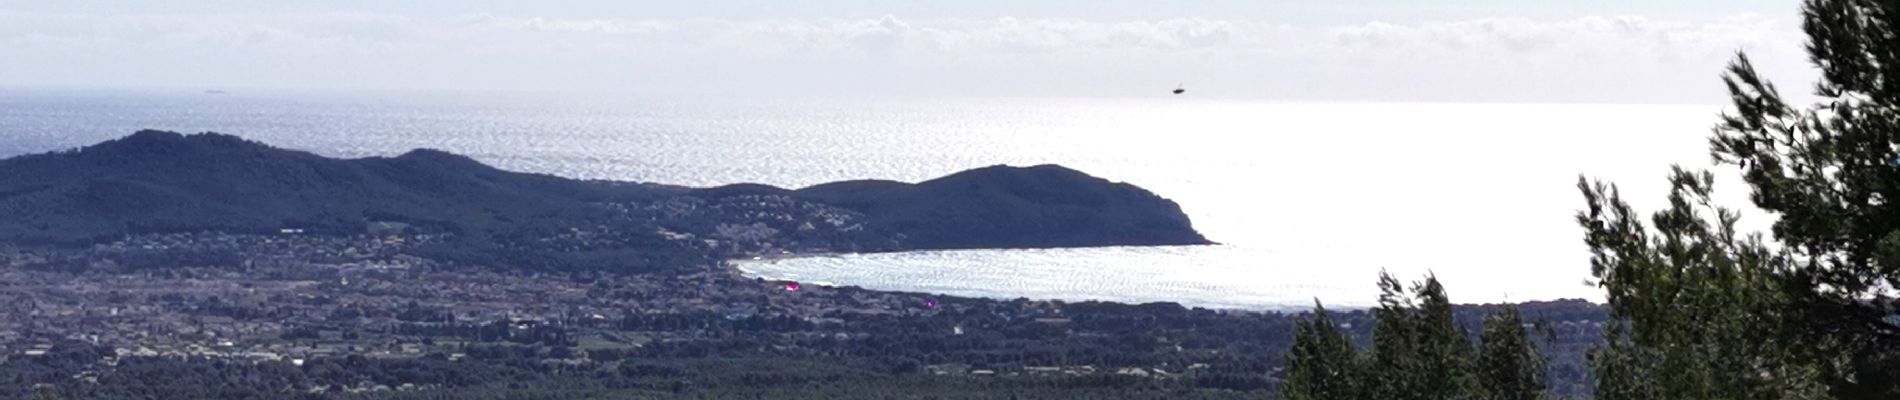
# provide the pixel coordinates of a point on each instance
(1509, 366)
(1006, 207)
(1322, 364)
(1701, 311)
(160, 182)
(1099, 350)
(1417, 352)
(164, 182)
(1696, 311)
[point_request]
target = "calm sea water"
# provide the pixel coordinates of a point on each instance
(1310, 200)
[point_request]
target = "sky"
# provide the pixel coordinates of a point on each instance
(1534, 51)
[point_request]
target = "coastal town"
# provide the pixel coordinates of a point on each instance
(290, 298)
(291, 295)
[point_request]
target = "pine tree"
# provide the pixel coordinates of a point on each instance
(1393, 355)
(1711, 315)
(1696, 311)
(1830, 171)
(1444, 348)
(1322, 364)
(1418, 351)
(1509, 366)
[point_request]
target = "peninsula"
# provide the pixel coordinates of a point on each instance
(163, 182)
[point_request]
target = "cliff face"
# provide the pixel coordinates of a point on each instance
(154, 181)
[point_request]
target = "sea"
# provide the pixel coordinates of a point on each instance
(1310, 201)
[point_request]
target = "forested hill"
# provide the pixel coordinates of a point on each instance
(156, 182)
(1001, 206)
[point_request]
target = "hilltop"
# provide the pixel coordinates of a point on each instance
(1003, 206)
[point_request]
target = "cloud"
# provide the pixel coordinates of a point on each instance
(887, 33)
(1472, 58)
(1589, 35)
(170, 33)
(877, 35)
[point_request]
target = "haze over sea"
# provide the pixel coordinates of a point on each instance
(1308, 199)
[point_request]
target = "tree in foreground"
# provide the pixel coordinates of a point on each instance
(1417, 352)
(1831, 172)
(1713, 315)
(1509, 365)
(1696, 310)
(1321, 365)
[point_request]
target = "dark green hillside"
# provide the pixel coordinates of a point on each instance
(155, 181)
(160, 182)
(1002, 206)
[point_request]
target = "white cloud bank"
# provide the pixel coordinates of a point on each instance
(1590, 58)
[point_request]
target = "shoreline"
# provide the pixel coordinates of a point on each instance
(739, 266)
(758, 267)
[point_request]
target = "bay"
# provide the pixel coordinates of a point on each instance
(1309, 199)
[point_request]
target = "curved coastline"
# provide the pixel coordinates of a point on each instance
(1007, 274)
